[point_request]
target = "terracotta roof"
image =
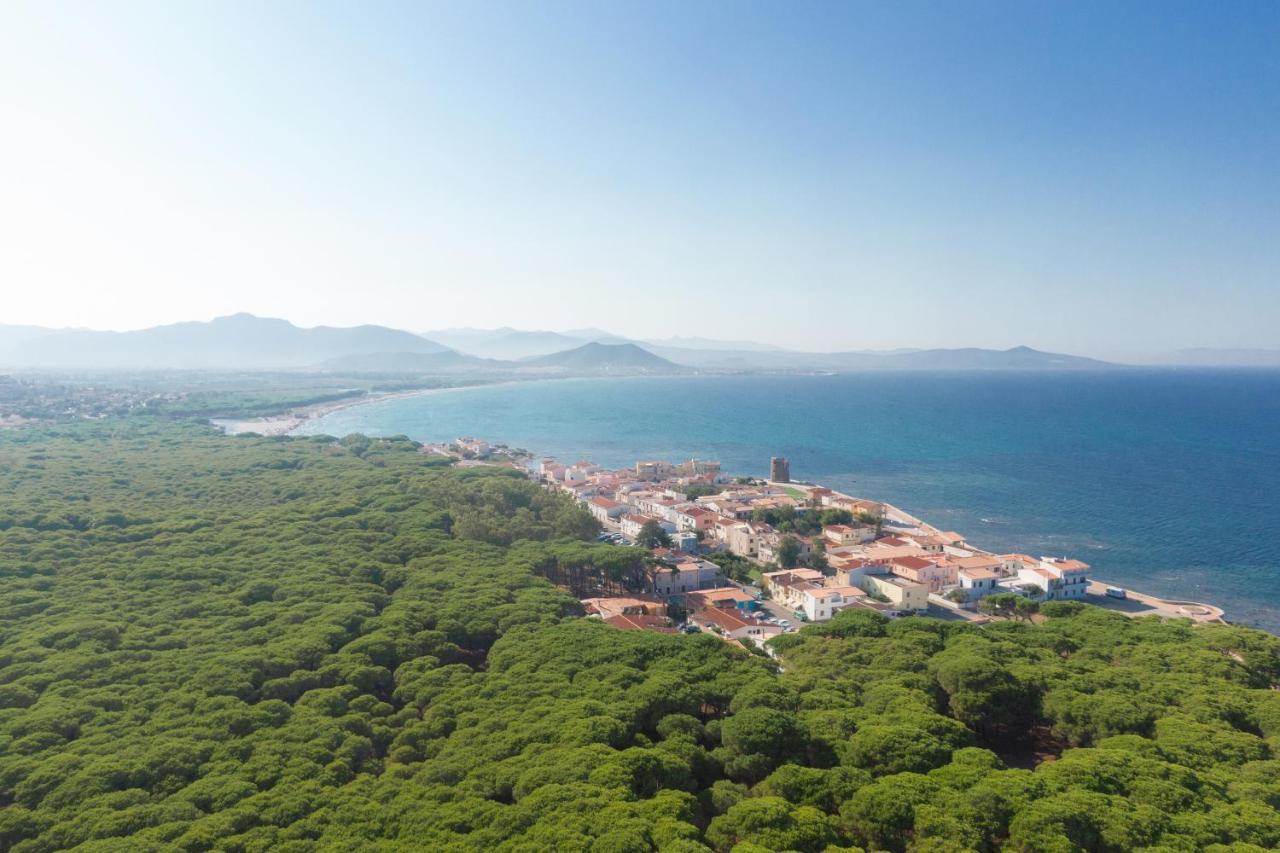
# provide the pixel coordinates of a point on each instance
(641, 623)
(976, 562)
(724, 618)
(717, 596)
(613, 605)
(977, 574)
(914, 562)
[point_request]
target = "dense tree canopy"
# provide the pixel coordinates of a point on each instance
(300, 644)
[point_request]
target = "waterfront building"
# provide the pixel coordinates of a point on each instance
(978, 583)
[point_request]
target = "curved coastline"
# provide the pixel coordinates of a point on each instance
(736, 418)
(288, 423)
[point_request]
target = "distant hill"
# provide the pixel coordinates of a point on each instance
(598, 335)
(507, 343)
(240, 341)
(1017, 358)
(971, 358)
(409, 362)
(510, 343)
(12, 336)
(697, 343)
(606, 358)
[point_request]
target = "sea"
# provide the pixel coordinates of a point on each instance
(1164, 481)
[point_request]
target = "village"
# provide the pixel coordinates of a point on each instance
(748, 559)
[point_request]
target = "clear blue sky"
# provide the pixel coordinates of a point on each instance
(1088, 177)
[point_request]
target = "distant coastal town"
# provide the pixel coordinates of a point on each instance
(750, 558)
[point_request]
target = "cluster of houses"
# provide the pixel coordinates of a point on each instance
(728, 611)
(878, 557)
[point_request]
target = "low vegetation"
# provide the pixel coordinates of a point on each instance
(213, 643)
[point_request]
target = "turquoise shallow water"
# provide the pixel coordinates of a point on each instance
(1166, 481)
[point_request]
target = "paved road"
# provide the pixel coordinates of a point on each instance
(1139, 604)
(955, 614)
(775, 608)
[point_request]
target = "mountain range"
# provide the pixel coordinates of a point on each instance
(510, 343)
(246, 342)
(240, 341)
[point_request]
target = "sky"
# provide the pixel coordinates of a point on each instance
(1097, 178)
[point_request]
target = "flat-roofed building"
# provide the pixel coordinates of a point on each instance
(730, 597)
(684, 575)
(820, 603)
(844, 535)
(778, 584)
(1072, 577)
(978, 583)
(902, 593)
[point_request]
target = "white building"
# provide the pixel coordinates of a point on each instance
(605, 509)
(743, 538)
(1058, 579)
(977, 582)
(843, 535)
(821, 603)
(630, 524)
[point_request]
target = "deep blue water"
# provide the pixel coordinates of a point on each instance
(1166, 481)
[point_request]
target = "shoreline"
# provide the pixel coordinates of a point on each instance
(1135, 602)
(290, 422)
(287, 423)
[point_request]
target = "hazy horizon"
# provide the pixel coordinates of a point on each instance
(1086, 178)
(457, 338)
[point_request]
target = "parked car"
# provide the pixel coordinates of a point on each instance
(1117, 592)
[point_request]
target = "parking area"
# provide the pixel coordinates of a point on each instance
(777, 611)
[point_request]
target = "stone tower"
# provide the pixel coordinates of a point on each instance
(779, 469)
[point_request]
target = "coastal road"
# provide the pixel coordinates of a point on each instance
(1141, 604)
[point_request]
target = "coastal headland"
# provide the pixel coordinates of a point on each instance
(749, 558)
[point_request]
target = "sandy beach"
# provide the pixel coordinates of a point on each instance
(293, 420)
